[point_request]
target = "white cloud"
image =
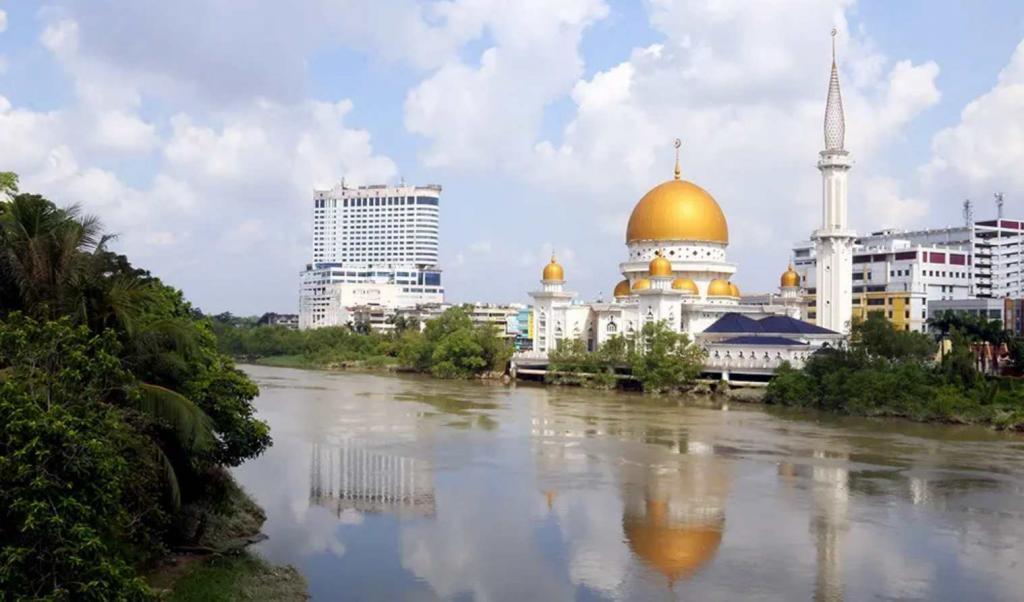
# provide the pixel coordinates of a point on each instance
(743, 84)
(3, 21)
(983, 153)
(477, 115)
(225, 185)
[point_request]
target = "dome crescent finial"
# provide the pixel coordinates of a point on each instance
(677, 143)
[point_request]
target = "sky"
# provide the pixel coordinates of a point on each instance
(196, 130)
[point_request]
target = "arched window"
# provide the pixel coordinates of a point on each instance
(612, 326)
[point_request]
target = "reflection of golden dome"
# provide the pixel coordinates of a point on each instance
(641, 284)
(734, 290)
(719, 288)
(553, 271)
(672, 550)
(677, 210)
(790, 279)
(660, 266)
(621, 289)
(686, 285)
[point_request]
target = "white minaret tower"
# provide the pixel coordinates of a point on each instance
(833, 242)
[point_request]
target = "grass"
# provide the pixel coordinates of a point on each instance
(285, 361)
(238, 577)
(374, 362)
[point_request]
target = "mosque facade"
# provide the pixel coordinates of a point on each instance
(677, 271)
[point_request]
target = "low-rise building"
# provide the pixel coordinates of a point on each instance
(274, 319)
(896, 278)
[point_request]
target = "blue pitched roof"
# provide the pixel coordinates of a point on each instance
(760, 340)
(785, 324)
(735, 323)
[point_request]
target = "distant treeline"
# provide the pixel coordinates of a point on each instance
(449, 346)
(889, 372)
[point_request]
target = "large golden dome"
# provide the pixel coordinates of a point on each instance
(621, 289)
(673, 550)
(735, 290)
(677, 210)
(553, 271)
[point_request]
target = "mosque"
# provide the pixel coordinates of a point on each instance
(677, 271)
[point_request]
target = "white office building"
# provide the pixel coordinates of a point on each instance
(372, 246)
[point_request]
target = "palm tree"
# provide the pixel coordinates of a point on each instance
(54, 263)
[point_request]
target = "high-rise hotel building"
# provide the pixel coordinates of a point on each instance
(372, 246)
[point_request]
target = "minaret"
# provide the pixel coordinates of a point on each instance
(833, 242)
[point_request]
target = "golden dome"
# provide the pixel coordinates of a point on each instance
(672, 550)
(677, 210)
(553, 271)
(660, 266)
(641, 284)
(790, 278)
(686, 285)
(719, 288)
(621, 289)
(734, 290)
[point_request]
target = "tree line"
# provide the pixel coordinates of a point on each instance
(119, 412)
(448, 346)
(889, 372)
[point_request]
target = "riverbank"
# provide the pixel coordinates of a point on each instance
(216, 564)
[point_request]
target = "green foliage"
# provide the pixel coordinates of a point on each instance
(81, 481)
(880, 376)
(8, 184)
(877, 336)
(665, 360)
(114, 395)
(450, 346)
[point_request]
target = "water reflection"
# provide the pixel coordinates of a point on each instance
(404, 488)
(350, 478)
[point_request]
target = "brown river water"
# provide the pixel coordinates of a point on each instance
(383, 487)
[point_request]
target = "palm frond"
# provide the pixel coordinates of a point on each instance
(191, 425)
(170, 477)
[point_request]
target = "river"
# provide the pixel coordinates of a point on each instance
(384, 487)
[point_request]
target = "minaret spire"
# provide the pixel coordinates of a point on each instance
(833, 242)
(835, 123)
(677, 144)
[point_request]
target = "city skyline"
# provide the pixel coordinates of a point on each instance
(200, 147)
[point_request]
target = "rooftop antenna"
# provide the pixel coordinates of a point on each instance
(402, 179)
(968, 213)
(343, 183)
(999, 204)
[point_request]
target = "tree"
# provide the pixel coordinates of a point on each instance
(8, 184)
(665, 360)
(877, 336)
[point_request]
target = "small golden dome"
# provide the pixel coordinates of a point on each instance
(641, 284)
(674, 550)
(660, 266)
(677, 210)
(734, 290)
(790, 279)
(553, 271)
(621, 289)
(719, 288)
(686, 285)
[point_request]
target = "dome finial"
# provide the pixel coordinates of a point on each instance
(834, 32)
(677, 144)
